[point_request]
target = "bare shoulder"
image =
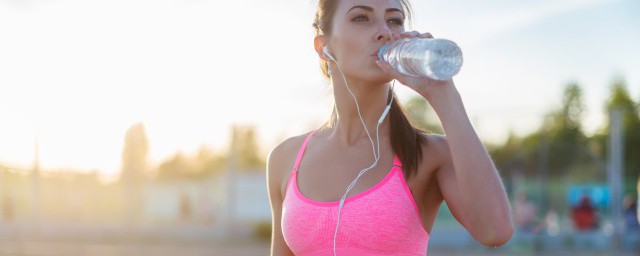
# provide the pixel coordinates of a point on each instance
(443, 168)
(434, 155)
(282, 153)
(437, 148)
(281, 158)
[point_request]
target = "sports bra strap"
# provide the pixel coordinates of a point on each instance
(301, 151)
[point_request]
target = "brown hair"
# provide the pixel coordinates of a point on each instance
(406, 140)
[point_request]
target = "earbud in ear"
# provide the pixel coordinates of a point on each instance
(326, 52)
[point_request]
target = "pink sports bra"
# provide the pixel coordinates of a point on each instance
(382, 220)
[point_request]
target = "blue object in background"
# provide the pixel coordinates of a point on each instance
(599, 194)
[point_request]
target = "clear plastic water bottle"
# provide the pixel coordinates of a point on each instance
(436, 58)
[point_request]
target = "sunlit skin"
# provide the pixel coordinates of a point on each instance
(467, 177)
(458, 170)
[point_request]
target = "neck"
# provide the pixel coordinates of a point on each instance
(372, 100)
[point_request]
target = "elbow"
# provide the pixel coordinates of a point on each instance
(494, 233)
(498, 236)
(498, 230)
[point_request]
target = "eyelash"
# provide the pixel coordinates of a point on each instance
(398, 21)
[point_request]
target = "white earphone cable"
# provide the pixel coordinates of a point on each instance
(376, 156)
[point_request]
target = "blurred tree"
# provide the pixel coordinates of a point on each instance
(557, 145)
(133, 173)
(244, 149)
(561, 135)
(560, 149)
(510, 156)
(204, 164)
(208, 162)
(244, 146)
(422, 116)
(619, 98)
(176, 168)
(134, 154)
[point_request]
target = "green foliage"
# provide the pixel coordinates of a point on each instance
(422, 116)
(262, 230)
(511, 156)
(562, 150)
(561, 136)
(620, 99)
(554, 148)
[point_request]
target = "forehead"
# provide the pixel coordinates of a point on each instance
(378, 5)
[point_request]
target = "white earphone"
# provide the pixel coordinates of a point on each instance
(328, 54)
(376, 156)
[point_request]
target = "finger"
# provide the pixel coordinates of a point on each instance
(426, 35)
(398, 36)
(411, 34)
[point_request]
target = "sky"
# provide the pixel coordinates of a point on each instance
(77, 74)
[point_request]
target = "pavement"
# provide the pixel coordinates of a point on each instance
(92, 240)
(35, 248)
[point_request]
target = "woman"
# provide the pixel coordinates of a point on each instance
(391, 209)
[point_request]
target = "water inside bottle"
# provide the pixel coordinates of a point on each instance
(441, 61)
(446, 60)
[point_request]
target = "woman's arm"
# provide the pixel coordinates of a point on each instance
(468, 179)
(275, 170)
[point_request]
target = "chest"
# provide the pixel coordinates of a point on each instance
(324, 175)
(323, 179)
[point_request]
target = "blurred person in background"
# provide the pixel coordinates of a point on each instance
(584, 215)
(185, 207)
(550, 223)
(630, 214)
(7, 209)
(525, 213)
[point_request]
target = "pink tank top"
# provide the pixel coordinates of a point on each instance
(382, 220)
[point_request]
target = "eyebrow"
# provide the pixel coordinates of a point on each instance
(369, 8)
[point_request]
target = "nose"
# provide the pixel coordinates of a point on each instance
(384, 34)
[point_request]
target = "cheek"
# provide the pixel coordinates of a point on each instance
(351, 43)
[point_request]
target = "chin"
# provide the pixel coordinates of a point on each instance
(374, 75)
(380, 77)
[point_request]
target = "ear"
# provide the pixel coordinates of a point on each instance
(319, 43)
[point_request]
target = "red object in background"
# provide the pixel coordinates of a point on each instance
(584, 215)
